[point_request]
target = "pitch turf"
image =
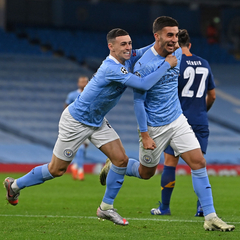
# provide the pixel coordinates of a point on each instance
(66, 209)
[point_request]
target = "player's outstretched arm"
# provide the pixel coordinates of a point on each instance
(137, 53)
(148, 81)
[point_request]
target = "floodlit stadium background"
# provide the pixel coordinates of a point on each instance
(46, 45)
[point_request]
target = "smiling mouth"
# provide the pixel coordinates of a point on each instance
(171, 46)
(127, 54)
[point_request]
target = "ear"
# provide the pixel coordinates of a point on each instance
(110, 46)
(156, 36)
(190, 45)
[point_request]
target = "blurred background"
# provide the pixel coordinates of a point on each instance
(45, 45)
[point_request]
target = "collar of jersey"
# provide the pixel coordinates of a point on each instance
(114, 59)
(188, 55)
(154, 51)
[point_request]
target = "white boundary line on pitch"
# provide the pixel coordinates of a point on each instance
(90, 217)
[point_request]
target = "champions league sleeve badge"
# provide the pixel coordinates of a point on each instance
(124, 70)
(137, 74)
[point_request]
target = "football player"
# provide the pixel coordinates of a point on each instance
(196, 92)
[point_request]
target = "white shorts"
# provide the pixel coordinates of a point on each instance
(73, 133)
(178, 134)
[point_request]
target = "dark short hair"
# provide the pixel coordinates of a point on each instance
(162, 22)
(183, 38)
(116, 32)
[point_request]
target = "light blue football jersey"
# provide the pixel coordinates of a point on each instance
(104, 90)
(72, 96)
(161, 102)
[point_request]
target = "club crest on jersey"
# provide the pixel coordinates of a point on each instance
(124, 70)
(147, 159)
(68, 153)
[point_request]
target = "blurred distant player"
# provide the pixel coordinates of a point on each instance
(196, 94)
(78, 161)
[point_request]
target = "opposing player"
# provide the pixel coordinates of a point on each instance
(79, 159)
(85, 119)
(161, 122)
(196, 94)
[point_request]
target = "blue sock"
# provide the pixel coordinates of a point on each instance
(132, 168)
(114, 182)
(36, 176)
(203, 190)
(167, 185)
(79, 157)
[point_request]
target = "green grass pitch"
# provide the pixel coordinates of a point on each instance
(66, 209)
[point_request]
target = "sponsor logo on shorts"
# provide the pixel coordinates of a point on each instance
(68, 153)
(147, 159)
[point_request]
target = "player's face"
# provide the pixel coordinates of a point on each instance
(82, 82)
(121, 48)
(167, 39)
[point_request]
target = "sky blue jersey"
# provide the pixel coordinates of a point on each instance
(160, 104)
(195, 80)
(72, 96)
(104, 90)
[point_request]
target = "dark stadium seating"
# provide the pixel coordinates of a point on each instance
(76, 44)
(84, 45)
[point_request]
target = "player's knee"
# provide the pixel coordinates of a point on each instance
(199, 163)
(124, 161)
(121, 162)
(57, 172)
(146, 175)
(202, 163)
(146, 172)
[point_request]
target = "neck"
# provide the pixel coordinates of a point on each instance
(160, 51)
(122, 61)
(186, 51)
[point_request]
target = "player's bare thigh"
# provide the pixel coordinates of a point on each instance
(146, 172)
(115, 151)
(57, 167)
(170, 160)
(194, 158)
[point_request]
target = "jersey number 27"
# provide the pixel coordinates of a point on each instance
(190, 73)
